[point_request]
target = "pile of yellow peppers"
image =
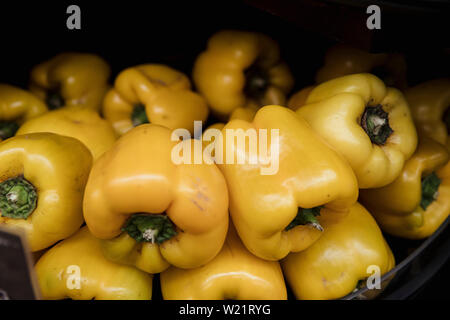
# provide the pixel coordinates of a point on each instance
(87, 173)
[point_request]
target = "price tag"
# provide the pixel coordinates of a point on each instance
(17, 277)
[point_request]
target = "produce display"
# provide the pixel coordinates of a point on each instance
(223, 183)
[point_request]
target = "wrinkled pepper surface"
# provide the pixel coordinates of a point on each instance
(76, 268)
(153, 93)
(280, 211)
(17, 106)
(332, 267)
(341, 60)
(42, 182)
(71, 79)
(241, 69)
(429, 103)
(233, 274)
(77, 122)
(151, 212)
(418, 201)
(368, 123)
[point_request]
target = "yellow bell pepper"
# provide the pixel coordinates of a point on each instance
(76, 268)
(280, 211)
(77, 122)
(17, 106)
(298, 99)
(71, 79)
(151, 212)
(369, 124)
(418, 201)
(241, 69)
(43, 176)
(153, 93)
(347, 252)
(233, 274)
(429, 103)
(341, 60)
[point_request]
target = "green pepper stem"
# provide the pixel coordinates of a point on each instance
(139, 115)
(18, 198)
(8, 129)
(306, 217)
(154, 228)
(375, 122)
(54, 99)
(430, 186)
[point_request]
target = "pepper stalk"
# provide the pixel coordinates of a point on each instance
(154, 228)
(430, 186)
(18, 198)
(306, 217)
(139, 115)
(375, 122)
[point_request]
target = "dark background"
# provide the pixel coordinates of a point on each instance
(134, 32)
(437, 288)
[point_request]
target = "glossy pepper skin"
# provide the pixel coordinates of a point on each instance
(368, 123)
(402, 208)
(153, 93)
(81, 123)
(332, 267)
(233, 274)
(71, 79)
(341, 60)
(309, 175)
(43, 176)
(17, 106)
(429, 103)
(100, 279)
(136, 178)
(241, 69)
